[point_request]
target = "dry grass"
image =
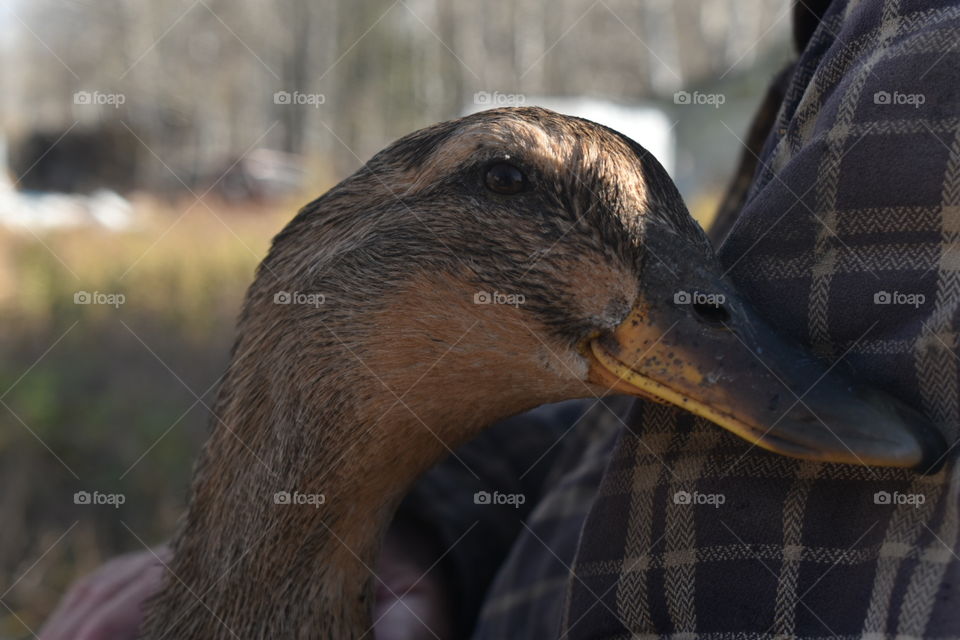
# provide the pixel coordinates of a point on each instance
(99, 398)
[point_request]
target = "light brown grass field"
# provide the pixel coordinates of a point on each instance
(98, 398)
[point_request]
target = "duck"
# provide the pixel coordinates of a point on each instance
(470, 271)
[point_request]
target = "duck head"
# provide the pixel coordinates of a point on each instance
(532, 257)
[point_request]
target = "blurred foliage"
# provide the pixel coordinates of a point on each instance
(199, 79)
(104, 399)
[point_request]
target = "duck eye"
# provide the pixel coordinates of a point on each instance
(505, 178)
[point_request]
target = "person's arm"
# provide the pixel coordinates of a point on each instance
(108, 603)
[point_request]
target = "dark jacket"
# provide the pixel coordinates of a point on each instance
(853, 190)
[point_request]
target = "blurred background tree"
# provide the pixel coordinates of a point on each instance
(209, 163)
(199, 76)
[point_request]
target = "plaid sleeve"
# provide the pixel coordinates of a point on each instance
(848, 241)
(526, 598)
(473, 503)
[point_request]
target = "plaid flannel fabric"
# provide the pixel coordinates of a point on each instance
(526, 456)
(849, 240)
(526, 599)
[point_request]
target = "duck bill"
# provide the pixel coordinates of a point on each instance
(736, 372)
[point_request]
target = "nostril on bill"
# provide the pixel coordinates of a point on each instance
(713, 314)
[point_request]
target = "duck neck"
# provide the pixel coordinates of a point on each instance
(290, 503)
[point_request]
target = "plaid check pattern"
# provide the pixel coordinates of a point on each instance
(526, 598)
(525, 455)
(854, 200)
